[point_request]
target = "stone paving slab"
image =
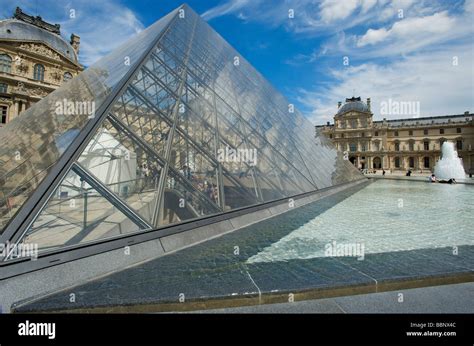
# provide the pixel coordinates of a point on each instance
(447, 299)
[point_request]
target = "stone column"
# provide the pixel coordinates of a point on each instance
(16, 109)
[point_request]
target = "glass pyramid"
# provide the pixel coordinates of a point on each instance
(172, 126)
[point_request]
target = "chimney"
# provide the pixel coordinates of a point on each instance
(75, 42)
(339, 104)
(368, 104)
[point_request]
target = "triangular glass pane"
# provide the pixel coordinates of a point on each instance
(124, 167)
(76, 214)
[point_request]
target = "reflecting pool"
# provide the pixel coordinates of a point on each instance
(386, 216)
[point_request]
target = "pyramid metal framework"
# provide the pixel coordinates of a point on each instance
(136, 143)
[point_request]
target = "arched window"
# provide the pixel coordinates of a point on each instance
(39, 72)
(5, 63)
(67, 76)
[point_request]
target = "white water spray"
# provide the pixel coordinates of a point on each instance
(450, 165)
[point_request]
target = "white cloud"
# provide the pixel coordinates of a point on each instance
(405, 59)
(429, 78)
(469, 6)
(412, 29)
(332, 10)
(373, 36)
(102, 25)
(367, 5)
(310, 17)
(232, 6)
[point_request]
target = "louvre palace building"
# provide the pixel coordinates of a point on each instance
(398, 144)
(34, 61)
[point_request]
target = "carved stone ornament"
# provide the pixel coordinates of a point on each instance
(5, 100)
(21, 67)
(38, 92)
(41, 50)
(21, 88)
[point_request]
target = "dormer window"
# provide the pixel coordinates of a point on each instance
(67, 76)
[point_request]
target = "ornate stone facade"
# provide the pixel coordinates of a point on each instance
(398, 145)
(34, 61)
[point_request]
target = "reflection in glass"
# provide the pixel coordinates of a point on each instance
(155, 158)
(75, 214)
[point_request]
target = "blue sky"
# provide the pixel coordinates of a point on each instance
(404, 50)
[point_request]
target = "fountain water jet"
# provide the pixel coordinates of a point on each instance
(450, 165)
